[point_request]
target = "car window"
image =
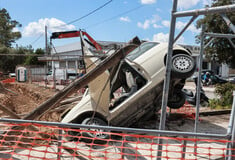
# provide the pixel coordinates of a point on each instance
(140, 50)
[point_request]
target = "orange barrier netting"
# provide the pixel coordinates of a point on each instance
(22, 141)
(9, 80)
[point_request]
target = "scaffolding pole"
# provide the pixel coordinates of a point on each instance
(167, 75)
(205, 11)
(228, 22)
(174, 15)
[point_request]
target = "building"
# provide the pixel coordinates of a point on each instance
(68, 57)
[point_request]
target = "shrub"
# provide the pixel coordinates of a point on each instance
(225, 93)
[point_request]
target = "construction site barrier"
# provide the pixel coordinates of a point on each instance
(40, 141)
(9, 80)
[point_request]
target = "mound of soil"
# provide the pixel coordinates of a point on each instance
(22, 98)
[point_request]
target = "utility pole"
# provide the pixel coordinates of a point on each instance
(46, 53)
(46, 44)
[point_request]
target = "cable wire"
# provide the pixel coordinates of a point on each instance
(86, 15)
(116, 16)
(39, 37)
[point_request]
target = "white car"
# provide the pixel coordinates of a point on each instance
(133, 88)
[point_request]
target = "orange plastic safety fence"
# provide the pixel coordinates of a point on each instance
(22, 141)
(9, 80)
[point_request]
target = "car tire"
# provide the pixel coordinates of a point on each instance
(183, 66)
(94, 138)
(177, 100)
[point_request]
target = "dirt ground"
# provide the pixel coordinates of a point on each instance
(22, 98)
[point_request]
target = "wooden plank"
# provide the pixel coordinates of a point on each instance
(9, 112)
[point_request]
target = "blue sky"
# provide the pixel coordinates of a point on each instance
(147, 19)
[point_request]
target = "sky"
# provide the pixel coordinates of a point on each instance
(119, 20)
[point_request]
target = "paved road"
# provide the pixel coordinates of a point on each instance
(209, 90)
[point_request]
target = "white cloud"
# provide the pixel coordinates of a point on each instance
(144, 25)
(157, 26)
(161, 37)
(206, 2)
(166, 23)
(192, 27)
(155, 18)
(186, 4)
(180, 25)
(53, 25)
(125, 19)
(148, 1)
(15, 30)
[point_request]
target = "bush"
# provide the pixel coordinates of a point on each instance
(225, 93)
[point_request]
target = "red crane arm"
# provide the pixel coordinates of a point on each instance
(71, 34)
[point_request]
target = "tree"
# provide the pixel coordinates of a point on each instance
(7, 36)
(33, 60)
(220, 49)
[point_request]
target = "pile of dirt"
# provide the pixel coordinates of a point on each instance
(22, 98)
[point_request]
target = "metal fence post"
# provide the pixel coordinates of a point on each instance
(184, 147)
(231, 126)
(231, 130)
(59, 144)
(199, 79)
(167, 76)
(232, 156)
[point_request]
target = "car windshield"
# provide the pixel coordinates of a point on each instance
(140, 50)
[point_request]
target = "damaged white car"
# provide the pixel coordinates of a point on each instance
(133, 89)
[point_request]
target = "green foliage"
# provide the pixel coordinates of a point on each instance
(220, 49)
(7, 36)
(32, 60)
(225, 93)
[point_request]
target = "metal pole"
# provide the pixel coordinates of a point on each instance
(168, 69)
(59, 144)
(228, 22)
(53, 68)
(231, 126)
(46, 52)
(220, 35)
(121, 129)
(206, 45)
(46, 47)
(231, 42)
(167, 77)
(198, 89)
(184, 148)
(185, 27)
(233, 136)
(205, 11)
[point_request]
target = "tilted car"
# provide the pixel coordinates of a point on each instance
(133, 88)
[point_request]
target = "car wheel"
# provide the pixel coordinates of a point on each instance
(177, 100)
(98, 137)
(183, 66)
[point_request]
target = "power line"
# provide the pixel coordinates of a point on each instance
(86, 15)
(116, 16)
(40, 36)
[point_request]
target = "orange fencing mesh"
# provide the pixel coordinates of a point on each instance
(36, 141)
(9, 80)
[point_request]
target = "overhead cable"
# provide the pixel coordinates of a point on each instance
(86, 15)
(116, 16)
